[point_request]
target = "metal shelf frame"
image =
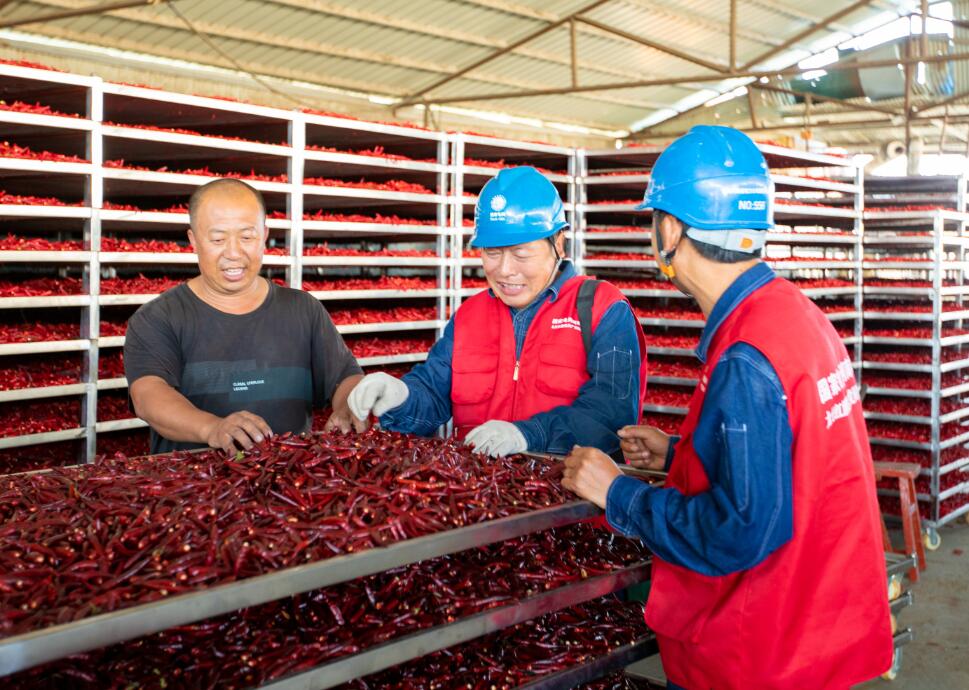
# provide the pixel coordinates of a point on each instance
(835, 231)
(31, 649)
(946, 242)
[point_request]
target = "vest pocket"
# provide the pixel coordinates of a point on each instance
(473, 377)
(562, 370)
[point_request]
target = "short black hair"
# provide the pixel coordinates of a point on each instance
(198, 196)
(711, 252)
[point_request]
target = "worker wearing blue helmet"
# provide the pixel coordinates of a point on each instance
(769, 571)
(543, 360)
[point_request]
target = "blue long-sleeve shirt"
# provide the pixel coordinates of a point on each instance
(743, 439)
(608, 401)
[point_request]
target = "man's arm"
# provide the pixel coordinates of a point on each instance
(428, 403)
(342, 418)
(744, 440)
(171, 415)
(608, 401)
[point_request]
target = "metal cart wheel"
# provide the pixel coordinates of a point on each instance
(931, 538)
(894, 587)
(892, 672)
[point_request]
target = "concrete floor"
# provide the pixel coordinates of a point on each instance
(938, 658)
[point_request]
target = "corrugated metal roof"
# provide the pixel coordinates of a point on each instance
(399, 49)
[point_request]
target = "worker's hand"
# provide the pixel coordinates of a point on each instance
(377, 393)
(496, 438)
(644, 446)
(344, 420)
(238, 430)
(589, 473)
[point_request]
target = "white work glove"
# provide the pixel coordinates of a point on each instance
(496, 438)
(376, 393)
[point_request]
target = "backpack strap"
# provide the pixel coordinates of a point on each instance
(587, 295)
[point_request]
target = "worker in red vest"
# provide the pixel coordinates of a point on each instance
(769, 571)
(523, 365)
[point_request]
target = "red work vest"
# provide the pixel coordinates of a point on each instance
(489, 383)
(814, 614)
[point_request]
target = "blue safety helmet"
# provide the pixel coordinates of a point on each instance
(713, 178)
(516, 206)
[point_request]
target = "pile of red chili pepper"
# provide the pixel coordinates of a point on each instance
(129, 530)
(38, 332)
(20, 419)
(381, 347)
(920, 457)
(13, 243)
(388, 186)
(675, 313)
(137, 286)
(644, 284)
(112, 406)
(911, 432)
(41, 287)
(676, 367)
(923, 332)
(178, 208)
(326, 250)
(617, 228)
(474, 283)
(377, 218)
(813, 284)
(910, 308)
(9, 150)
(112, 328)
(348, 316)
(38, 457)
(115, 244)
(19, 200)
(908, 207)
(373, 152)
(829, 308)
(617, 256)
(916, 407)
(40, 371)
(285, 637)
(919, 356)
(31, 65)
(602, 202)
(34, 109)
(381, 283)
(912, 381)
(687, 342)
(670, 423)
(192, 132)
(111, 365)
(125, 442)
(515, 656)
(204, 171)
(669, 397)
(893, 283)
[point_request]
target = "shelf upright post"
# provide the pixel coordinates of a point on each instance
(444, 235)
(91, 315)
(859, 247)
(579, 169)
(938, 230)
(297, 141)
(457, 220)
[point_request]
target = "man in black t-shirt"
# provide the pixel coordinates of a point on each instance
(228, 357)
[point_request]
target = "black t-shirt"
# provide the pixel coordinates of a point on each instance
(278, 361)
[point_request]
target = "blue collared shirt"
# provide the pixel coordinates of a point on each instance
(743, 439)
(608, 401)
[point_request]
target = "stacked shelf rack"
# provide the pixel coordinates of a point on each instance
(916, 341)
(817, 243)
(96, 176)
(475, 160)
